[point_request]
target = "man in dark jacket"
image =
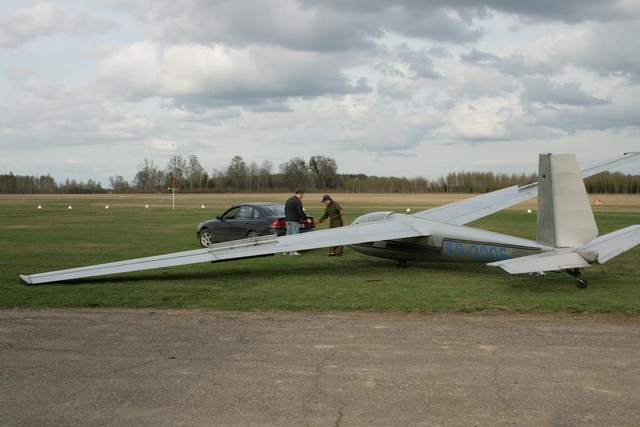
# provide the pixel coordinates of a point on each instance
(333, 212)
(293, 213)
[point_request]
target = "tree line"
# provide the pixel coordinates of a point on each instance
(319, 173)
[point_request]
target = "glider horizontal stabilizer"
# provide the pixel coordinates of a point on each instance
(601, 249)
(613, 244)
(555, 260)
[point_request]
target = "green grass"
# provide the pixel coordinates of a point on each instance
(55, 237)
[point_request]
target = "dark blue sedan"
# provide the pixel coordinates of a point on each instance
(247, 220)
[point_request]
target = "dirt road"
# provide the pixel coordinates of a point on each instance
(194, 368)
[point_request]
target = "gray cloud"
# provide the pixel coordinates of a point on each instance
(309, 26)
(29, 23)
(45, 19)
(570, 11)
(547, 92)
(359, 76)
(217, 76)
(514, 64)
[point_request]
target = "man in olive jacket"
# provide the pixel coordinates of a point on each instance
(333, 211)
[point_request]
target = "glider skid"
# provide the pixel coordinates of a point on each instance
(580, 282)
(401, 263)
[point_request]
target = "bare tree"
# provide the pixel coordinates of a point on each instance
(253, 173)
(118, 184)
(175, 172)
(266, 170)
(325, 171)
(195, 173)
(237, 173)
(295, 173)
(148, 177)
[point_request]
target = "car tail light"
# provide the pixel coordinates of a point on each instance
(279, 224)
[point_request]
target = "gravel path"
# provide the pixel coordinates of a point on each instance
(77, 367)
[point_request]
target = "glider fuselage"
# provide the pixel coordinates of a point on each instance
(447, 243)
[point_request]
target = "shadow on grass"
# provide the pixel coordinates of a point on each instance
(352, 267)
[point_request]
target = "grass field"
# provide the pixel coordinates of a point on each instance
(54, 237)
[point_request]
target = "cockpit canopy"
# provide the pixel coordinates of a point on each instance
(373, 217)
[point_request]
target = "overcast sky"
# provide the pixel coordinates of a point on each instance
(90, 88)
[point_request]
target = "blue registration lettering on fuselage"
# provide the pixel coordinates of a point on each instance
(474, 251)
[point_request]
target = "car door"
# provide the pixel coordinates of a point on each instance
(242, 223)
(223, 229)
(259, 223)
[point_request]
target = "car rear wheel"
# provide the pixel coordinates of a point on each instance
(206, 237)
(252, 235)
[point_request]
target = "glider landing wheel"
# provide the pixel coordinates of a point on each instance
(401, 264)
(580, 282)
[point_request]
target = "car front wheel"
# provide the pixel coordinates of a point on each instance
(206, 237)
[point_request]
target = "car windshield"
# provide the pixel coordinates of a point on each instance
(231, 214)
(276, 210)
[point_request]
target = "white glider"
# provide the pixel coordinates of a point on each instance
(567, 235)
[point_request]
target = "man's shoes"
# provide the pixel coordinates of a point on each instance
(294, 253)
(334, 254)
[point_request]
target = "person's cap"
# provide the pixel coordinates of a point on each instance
(325, 198)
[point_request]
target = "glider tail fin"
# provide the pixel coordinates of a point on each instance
(565, 218)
